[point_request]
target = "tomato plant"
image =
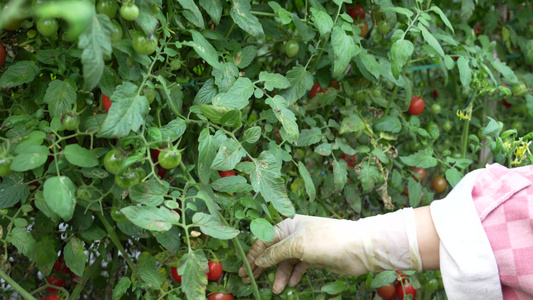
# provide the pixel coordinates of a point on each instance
(416, 106)
(291, 48)
(215, 270)
(129, 11)
(143, 44)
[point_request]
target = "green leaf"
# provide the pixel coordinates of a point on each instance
(285, 116)
(282, 14)
(213, 9)
(309, 137)
(151, 218)
(493, 129)
(19, 73)
(302, 28)
(400, 10)
(464, 71)
(205, 50)
(151, 277)
(421, 159)
(322, 20)
(323, 149)
(12, 191)
(301, 81)
(174, 129)
(232, 184)
(59, 194)
(207, 147)
(344, 48)
(237, 96)
(75, 257)
(79, 156)
(388, 124)
(192, 13)
(334, 288)
(507, 72)
(431, 40)
(60, 97)
(274, 81)
(169, 239)
(207, 92)
(308, 181)
(213, 113)
(443, 17)
(252, 135)
(262, 229)
(529, 104)
(245, 57)
(147, 19)
(453, 176)
(352, 124)
(467, 8)
(415, 192)
(400, 52)
(150, 193)
(369, 172)
(95, 41)
(340, 175)
(121, 288)
(193, 268)
(241, 15)
(383, 278)
(127, 112)
(228, 156)
(213, 227)
(266, 179)
(44, 254)
(30, 158)
(94, 233)
(23, 240)
(370, 64)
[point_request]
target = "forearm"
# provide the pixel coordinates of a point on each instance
(428, 239)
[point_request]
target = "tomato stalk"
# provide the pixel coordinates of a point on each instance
(464, 137)
(114, 238)
(16, 286)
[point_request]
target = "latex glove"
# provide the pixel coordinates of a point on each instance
(383, 242)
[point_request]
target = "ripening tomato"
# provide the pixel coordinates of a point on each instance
(52, 297)
(506, 104)
(435, 94)
(419, 173)
(438, 184)
(363, 26)
(113, 160)
(61, 267)
(417, 106)
(386, 291)
(405, 289)
(220, 296)
(2, 54)
(316, 89)
(106, 103)
(356, 12)
(226, 173)
(155, 153)
(334, 84)
(350, 159)
(174, 274)
(292, 48)
(169, 158)
(129, 12)
(215, 270)
(477, 29)
(55, 280)
(142, 44)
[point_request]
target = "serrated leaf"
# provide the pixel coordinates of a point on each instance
(421, 159)
(370, 63)
(352, 124)
(443, 17)
(322, 21)
(285, 116)
(344, 48)
(147, 19)
(75, 257)
(59, 194)
(302, 28)
(262, 229)
(241, 15)
(493, 129)
(340, 175)
(237, 96)
(127, 112)
(334, 288)
(121, 288)
(79, 156)
(228, 156)
(207, 147)
(308, 181)
(150, 193)
(388, 124)
(301, 81)
(415, 192)
(282, 14)
(232, 184)
(213, 227)
(12, 191)
(245, 57)
(95, 41)
(309, 137)
(383, 278)
(266, 179)
(169, 239)
(151, 277)
(151, 218)
(323, 149)
(507, 72)
(207, 92)
(453, 176)
(205, 50)
(464, 71)
(431, 40)
(192, 13)
(274, 81)
(21, 72)
(213, 9)
(23, 240)
(60, 97)
(44, 254)
(30, 158)
(400, 10)
(252, 135)
(193, 268)
(400, 52)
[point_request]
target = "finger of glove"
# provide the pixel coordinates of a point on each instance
(256, 273)
(255, 251)
(297, 273)
(283, 273)
(288, 248)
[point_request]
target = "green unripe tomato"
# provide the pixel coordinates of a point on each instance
(47, 27)
(116, 31)
(5, 166)
(518, 125)
(70, 121)
(519, 89)
(169, 158)
(107, 7)
(130, 177)
(113, 160)
(142, 44)
(436, 108)
(447, 125)
(291, 48)
(383, 26)
(376, 92)
(129, 12)
(360, 95)
(31, 33)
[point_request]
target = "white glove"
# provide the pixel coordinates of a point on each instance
(383, 242)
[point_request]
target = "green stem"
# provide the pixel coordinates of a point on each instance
(260, 13)
(114, 238)
(86, 275)
(16, 286)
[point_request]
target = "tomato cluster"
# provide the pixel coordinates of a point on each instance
(398, 289)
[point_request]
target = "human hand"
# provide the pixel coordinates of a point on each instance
(384, 242)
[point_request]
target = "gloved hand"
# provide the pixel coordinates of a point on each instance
(383, 242)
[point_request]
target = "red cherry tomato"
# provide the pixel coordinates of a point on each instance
(52, 297)
(55, 280)
(420, 173)
(356, 13)
(220, 296)
(226, 173)
(477, 29)
(417, 106)
(155, 153)
(174, 274)
(506, 104)
(2, 54)
(350, 159)
(387, 291)
(435, 94)
(316, 89)
(405, 289)
(61, 267)
(215, 270)
(106, 103)
(334, 84)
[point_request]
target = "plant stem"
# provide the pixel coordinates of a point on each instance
(16, 286)
(114, 238)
